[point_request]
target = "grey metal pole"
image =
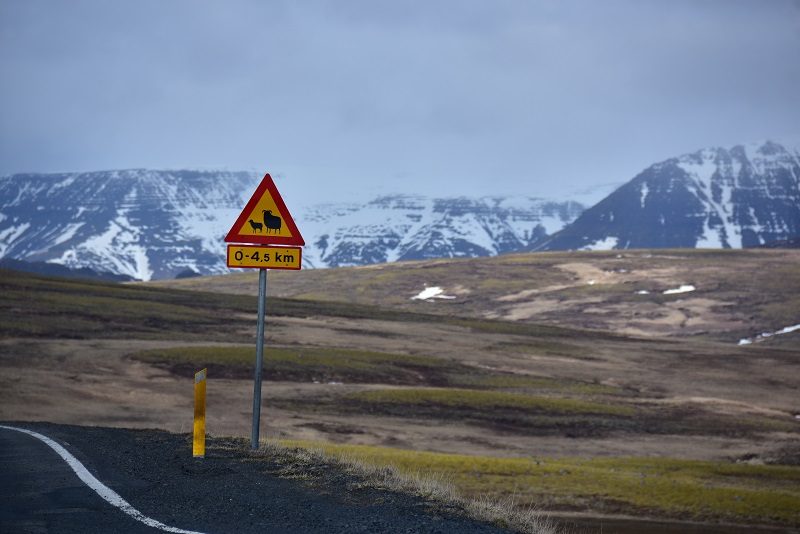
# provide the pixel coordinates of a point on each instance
(262, 303)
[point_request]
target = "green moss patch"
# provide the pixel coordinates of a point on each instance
(497, 410)
(482, 400)
(662, 487)
(357, 366)
(526, 382)
(307, 364)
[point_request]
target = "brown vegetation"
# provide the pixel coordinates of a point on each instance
(506, 370)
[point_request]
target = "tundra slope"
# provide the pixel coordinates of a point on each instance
(364, 375)
(631, 291)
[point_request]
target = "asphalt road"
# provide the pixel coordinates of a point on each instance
(225, 492)
(39, 492)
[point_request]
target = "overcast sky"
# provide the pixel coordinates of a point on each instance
(349, 99)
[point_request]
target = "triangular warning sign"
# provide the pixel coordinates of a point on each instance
(265, 219)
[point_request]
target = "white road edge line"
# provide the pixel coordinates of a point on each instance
(101, 489)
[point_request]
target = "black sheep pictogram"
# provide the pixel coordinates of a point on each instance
(257, 227)
(271, 221)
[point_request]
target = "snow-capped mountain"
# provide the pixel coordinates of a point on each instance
(157, 224)
(407, 227)
(145, 224)
(744, 196)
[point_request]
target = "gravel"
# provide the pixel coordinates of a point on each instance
(232, 490)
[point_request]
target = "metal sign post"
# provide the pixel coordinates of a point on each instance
(262, 304)
(263, 223)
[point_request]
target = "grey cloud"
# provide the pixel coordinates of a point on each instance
(541, 97)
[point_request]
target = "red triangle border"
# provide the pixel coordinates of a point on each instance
(266, 185)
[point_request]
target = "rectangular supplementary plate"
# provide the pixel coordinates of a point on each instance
(264, 257)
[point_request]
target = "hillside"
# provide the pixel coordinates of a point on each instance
(573, 420)
(621, 291)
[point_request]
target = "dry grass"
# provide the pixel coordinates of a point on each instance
(743, 398)
(303, 363)
(668, 487)
(436, 489)
(734, 303)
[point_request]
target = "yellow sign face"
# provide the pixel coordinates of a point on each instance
(265, 220)
(262, 257)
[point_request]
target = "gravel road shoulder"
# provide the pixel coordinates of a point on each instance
(232, 490)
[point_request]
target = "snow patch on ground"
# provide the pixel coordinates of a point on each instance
(687, 288)
(765, 335)
(433, 292)
(602, 244)
(643, 292)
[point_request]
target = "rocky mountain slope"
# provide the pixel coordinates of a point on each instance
(156, 224)
(141, 223)
(406, 227)
(744, 196)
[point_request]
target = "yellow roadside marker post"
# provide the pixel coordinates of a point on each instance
(199, 443)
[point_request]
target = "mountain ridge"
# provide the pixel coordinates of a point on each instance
(157, 224)
(744, 196)
(152, 224)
